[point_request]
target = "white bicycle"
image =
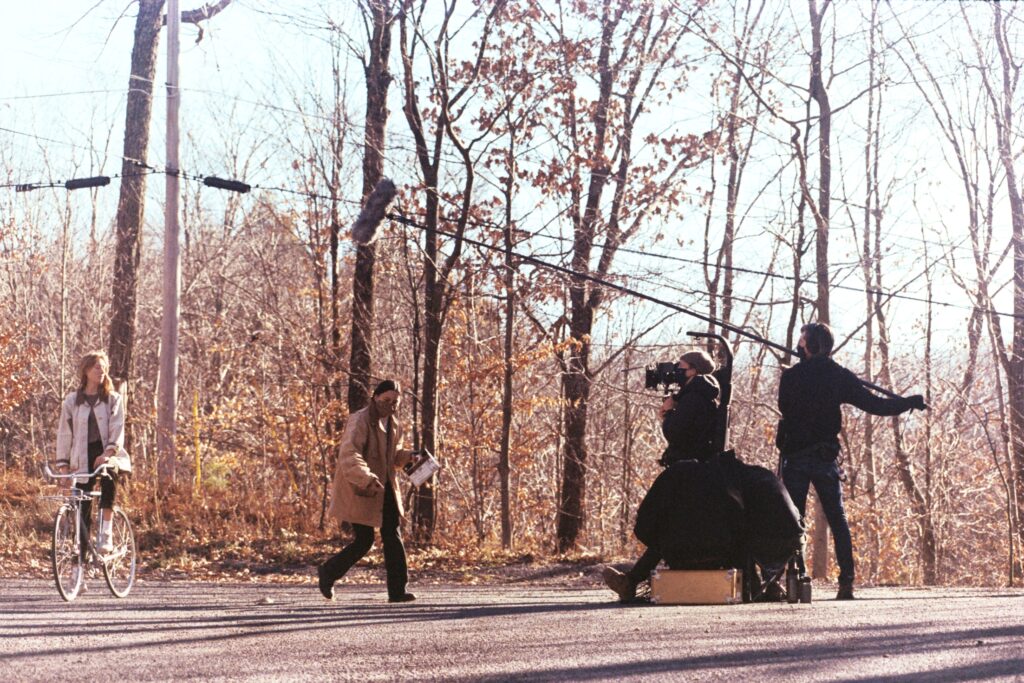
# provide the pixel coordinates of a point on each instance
(73, 550)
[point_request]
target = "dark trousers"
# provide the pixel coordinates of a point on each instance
(108, 490)
(798, 473)
(647, 563)
(394, 552)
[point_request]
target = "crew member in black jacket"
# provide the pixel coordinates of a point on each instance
(810, 395)
(688, 424)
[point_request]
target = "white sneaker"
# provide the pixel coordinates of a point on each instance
(104, 544)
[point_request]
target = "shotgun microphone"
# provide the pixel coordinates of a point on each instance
(364, 231)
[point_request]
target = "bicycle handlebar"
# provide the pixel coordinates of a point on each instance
(102, 469)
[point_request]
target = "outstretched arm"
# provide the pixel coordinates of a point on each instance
(857, 395)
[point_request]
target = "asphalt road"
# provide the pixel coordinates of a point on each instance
(227, 632)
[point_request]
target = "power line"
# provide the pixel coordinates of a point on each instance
(622, 289)
(75, 183)
(41, 96)
(72, 144)
(234, 185)
(45, 139)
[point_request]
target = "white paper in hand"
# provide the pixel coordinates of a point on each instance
(421, 468)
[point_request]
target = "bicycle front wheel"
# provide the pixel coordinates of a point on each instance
(68, 568)
(119, 565)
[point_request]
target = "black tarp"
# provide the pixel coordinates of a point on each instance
(715, 513)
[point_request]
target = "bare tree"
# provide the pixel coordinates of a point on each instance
(452, 87)
(632, 49)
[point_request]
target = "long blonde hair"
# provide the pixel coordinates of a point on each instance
(86, 364)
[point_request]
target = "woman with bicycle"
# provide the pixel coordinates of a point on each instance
(91, 432)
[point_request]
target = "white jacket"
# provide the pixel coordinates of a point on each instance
(73, 429)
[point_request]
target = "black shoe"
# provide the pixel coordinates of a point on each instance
(404, 597)
(326, 585)
(845, 592)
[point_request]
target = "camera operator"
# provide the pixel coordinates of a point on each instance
(810, 395)
(688, 417)
(688, 421)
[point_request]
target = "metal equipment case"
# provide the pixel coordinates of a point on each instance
(697, 587)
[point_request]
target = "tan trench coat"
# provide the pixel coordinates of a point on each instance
(359, 464)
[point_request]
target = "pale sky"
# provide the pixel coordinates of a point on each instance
(65, 73)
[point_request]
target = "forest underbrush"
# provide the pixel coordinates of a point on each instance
(226, 541)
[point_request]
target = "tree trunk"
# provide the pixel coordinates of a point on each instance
(576, 371)
(872, 211)
(130, 205)
(508, 349)
(378, 78)
(904, 467)
(1006, 122)
(818, 92)
(424, 512)
(576, 383)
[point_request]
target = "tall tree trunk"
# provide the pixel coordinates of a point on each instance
(130, 205)
(1006, 123)
(904, 467)
(929, 536)
(378, 78)
(576, 370)
(872, 211)
(508, 349)
(437, 295)
(820, 95)
(731, 199)
(619, 101)
(424, 512)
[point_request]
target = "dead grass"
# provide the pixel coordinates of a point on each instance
(176, 543)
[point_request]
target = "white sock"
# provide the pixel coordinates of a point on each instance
(106, 526)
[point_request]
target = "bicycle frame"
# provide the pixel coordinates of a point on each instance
(77, 496)
(118, 564)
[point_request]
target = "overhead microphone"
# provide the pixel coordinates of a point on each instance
(364, 231)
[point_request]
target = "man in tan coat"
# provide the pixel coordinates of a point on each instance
(365, 492)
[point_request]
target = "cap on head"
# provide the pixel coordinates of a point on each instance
(699, 361)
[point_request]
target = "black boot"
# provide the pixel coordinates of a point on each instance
(326, 584)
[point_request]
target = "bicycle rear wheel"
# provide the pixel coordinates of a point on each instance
(68, 569)
(119, 566)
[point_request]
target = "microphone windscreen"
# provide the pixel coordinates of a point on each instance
(364, 231)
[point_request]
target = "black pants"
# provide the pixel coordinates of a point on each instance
(108, 490)
(647, 563)
(394, 552)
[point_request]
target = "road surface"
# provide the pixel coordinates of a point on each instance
(177, 630)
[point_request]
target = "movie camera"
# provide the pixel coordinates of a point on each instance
(663, 376)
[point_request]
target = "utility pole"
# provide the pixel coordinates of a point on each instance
(168, 389)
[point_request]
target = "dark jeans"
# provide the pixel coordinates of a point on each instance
(647, 563)
(108, 490)
(798, 473)
(394, 552)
